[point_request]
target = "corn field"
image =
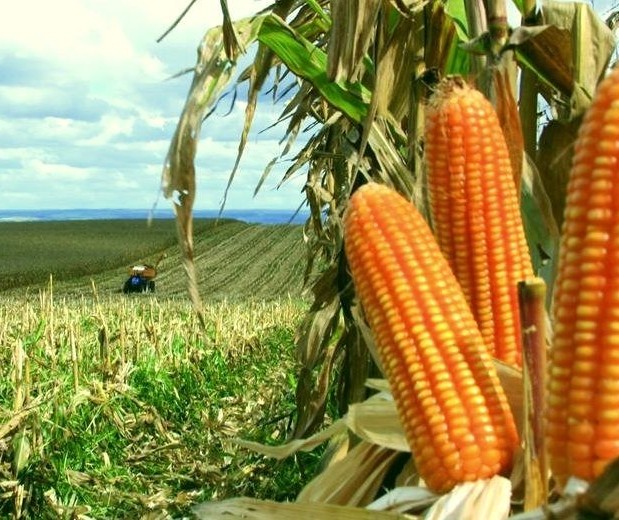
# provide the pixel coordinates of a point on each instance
(115, 407)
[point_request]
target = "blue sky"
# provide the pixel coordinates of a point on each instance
(87, 108)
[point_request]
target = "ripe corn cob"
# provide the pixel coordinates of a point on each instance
(450, 401)
(475, 211)
(582, 427)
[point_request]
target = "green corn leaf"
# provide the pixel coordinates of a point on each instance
(310, 63)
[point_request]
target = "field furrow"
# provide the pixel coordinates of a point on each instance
(248, 266)
(234, 260)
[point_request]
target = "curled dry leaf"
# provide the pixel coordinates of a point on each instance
(376, 420)
(285, 450)
(213, 73)
(404, 499)
(554, 160)
(511, 381)
(593, 44)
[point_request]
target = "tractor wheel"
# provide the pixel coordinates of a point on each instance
(151, 286)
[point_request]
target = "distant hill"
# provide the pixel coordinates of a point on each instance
(234, 259)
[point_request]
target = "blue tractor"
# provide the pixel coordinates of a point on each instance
(141, 279)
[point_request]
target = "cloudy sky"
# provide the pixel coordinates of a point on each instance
(87, 108)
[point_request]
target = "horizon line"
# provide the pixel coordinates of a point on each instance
(150, 210)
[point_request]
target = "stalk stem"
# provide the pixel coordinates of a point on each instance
(476, 20)
(532, 297)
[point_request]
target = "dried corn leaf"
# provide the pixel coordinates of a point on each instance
(77, 512)
(252, 509)
(321, 321)
(314, 350)
(336, 449)
(398, 54)
(355, 480)
(480, 499)
(507, 112)
(382, 385)
(312, 392)
(592, 45)
(403, 499)
(383, 140)
(376, 420)
(554, 161)
(232, 45)
(547, 51)
(399, 60)
(18, 418)
(356, 477)
(259, 73)
(213, 73)
(368, 337)
(355, 365)
(446, 32)
(570, 53)
(352, 33)
(285, 450)
(541, 228)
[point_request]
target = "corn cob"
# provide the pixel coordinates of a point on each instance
(447, 392)
(475, 211)
(582, 427)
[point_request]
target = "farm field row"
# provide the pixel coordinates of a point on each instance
(233, 259)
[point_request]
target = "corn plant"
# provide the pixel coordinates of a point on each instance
(361, 74)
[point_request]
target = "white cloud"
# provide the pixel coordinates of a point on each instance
(21, 94)
(111, 126)
(87, 111)
(21, 154)
(124, 182)
(41, 170)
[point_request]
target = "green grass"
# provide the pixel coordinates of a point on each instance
(116, 406)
